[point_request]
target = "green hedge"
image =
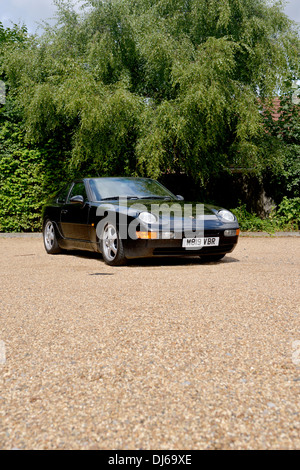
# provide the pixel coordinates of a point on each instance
(26, 181)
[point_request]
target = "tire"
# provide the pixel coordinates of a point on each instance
(111, 246)
(50, 239)
(211, 257)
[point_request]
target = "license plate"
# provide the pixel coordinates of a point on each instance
(200, 242)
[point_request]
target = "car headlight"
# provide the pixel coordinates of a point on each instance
(226, 215)
(147, 218)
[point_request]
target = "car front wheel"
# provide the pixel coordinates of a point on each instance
(50, 239)
(111, 246)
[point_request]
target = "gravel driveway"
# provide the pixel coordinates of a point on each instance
(172, 354)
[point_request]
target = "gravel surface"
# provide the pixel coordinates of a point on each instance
(160, 354)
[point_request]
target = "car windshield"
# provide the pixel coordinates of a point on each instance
(131, 188)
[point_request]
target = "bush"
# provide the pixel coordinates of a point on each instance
(26, 181)
(284, 218)
(288, 213)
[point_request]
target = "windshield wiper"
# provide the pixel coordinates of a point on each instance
(136, 197)
(156, 197)
(118, 197)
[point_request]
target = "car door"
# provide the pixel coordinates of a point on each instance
(75, 214)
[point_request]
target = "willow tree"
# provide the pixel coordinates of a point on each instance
(148, 86)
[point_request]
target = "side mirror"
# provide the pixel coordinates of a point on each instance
(179, 197)
(77, 200)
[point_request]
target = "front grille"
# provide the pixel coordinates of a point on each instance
(174, 251)
(180, 251)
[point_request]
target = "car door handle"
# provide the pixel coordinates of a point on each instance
(64, 211)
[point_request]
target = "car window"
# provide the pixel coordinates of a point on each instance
(78, 190)
(63, 194)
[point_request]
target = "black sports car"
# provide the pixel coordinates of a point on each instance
(125, 218)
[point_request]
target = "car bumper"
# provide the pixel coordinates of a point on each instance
(173, 247)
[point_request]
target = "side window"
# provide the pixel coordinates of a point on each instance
(78, 190)
(62, 196)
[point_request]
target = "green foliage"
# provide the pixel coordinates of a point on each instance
(9, 38)
(289, 180)
(147, 86)
(250, 222)
(285, 217)
(284, 138)
(16, 34)
(21, 175)
(288, 212)
(26, 180)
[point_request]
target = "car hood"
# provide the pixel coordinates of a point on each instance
(171, 214)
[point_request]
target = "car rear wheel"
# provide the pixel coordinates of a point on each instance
(211, 257)
(111, 246)
(50, 239)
